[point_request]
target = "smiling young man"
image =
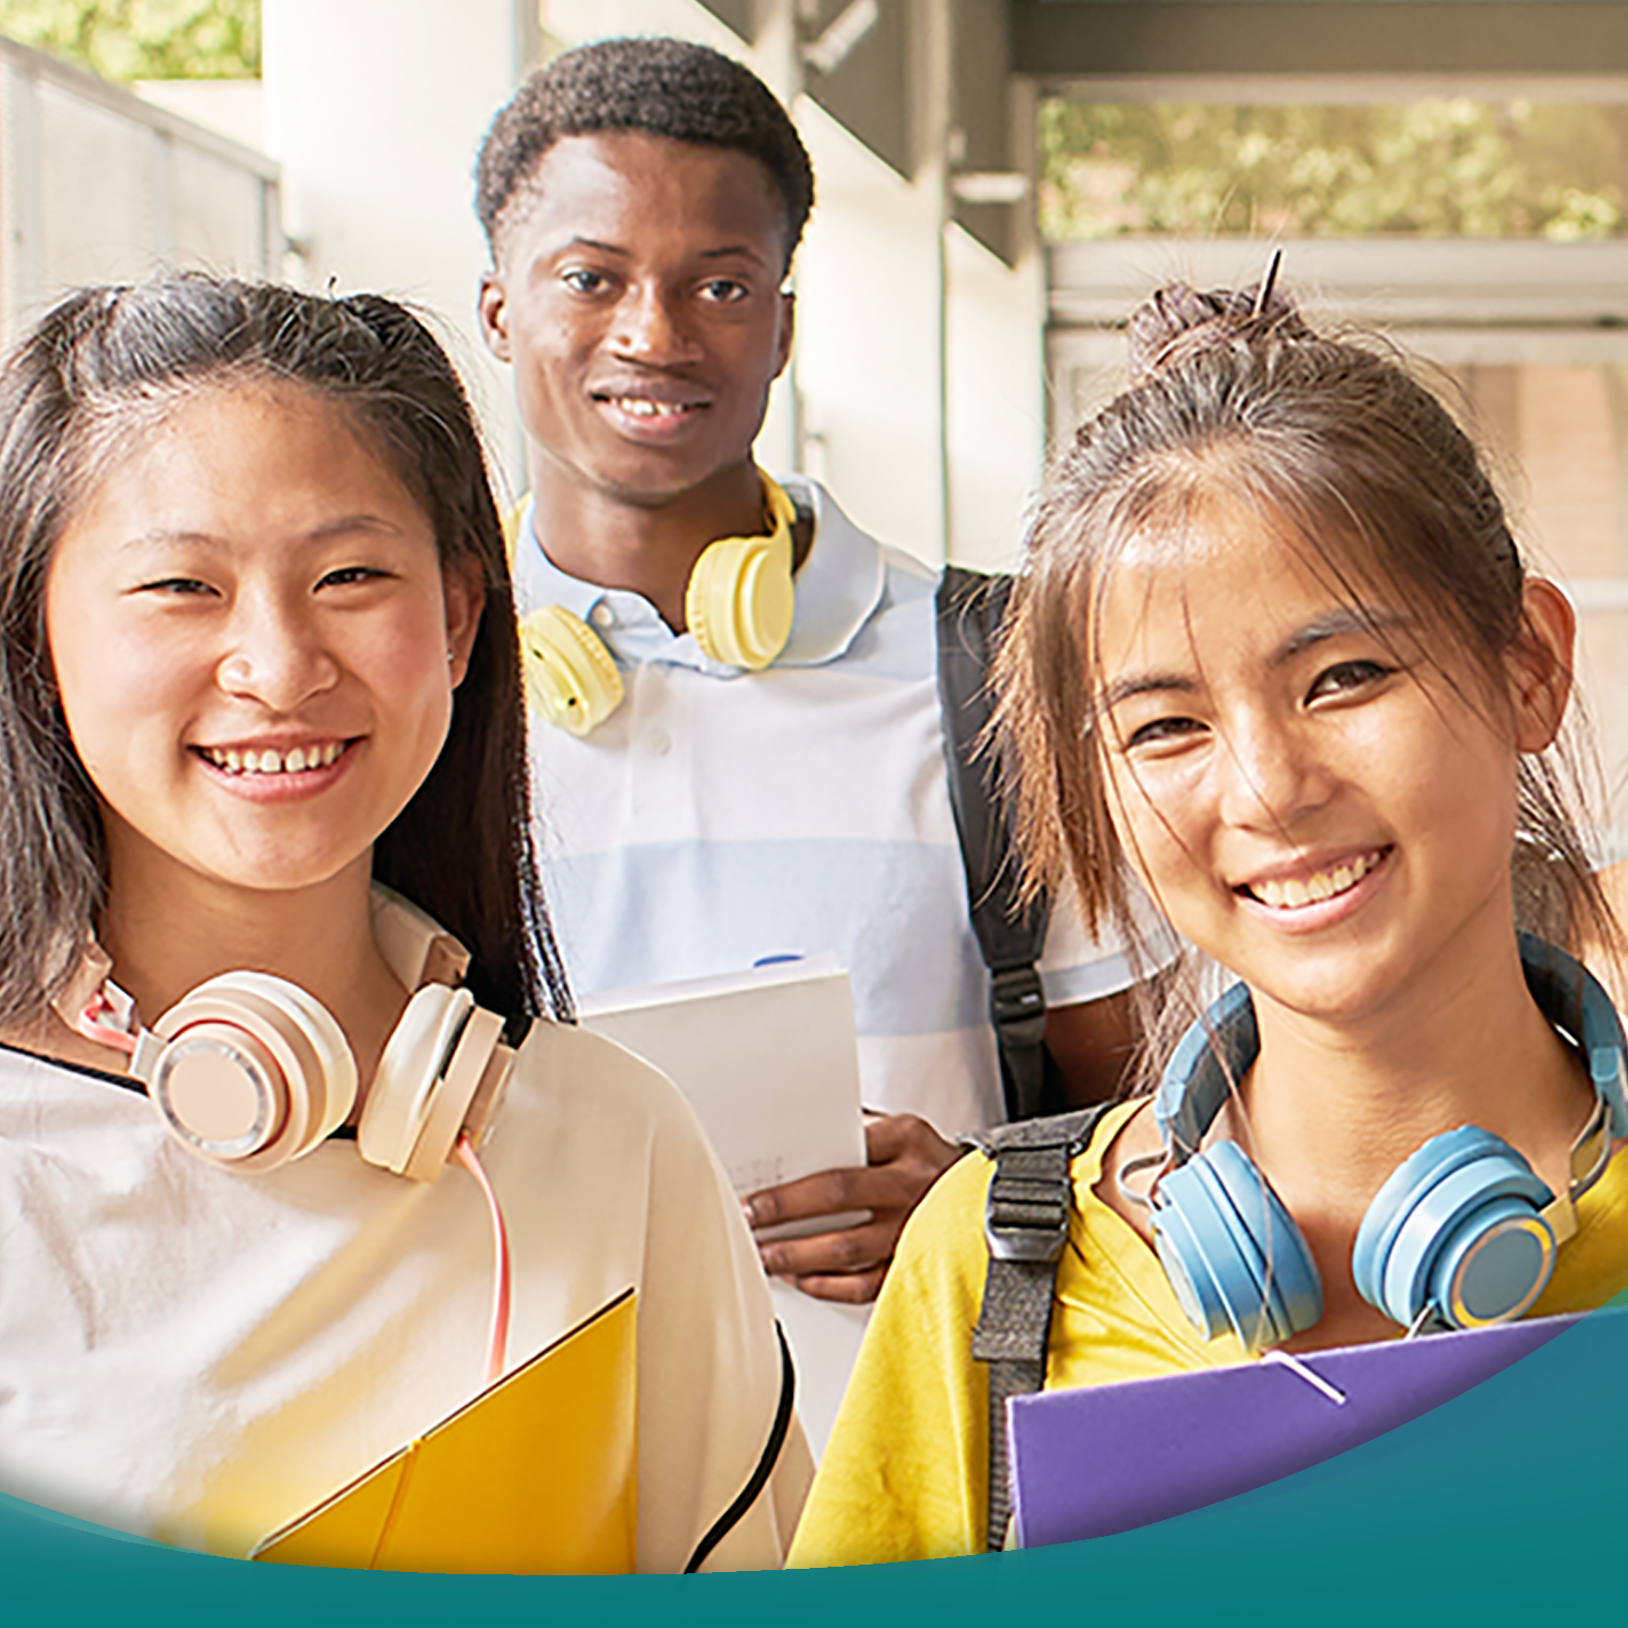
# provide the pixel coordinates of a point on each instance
(643, 200)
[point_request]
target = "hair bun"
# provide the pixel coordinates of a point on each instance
(1176, 318)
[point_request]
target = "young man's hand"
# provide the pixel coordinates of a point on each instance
(906, 1156)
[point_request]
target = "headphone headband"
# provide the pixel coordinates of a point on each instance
(1573, 1001)
(1218, 1050)
(1211, 1058)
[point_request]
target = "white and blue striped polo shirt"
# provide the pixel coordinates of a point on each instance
(721, 816)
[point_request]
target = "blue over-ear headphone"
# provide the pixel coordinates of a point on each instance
(1463, 1232)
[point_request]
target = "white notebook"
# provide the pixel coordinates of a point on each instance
(768, 1060)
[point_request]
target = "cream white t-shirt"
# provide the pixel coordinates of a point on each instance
(199, 1355)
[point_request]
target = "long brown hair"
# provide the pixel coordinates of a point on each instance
(105, 363)
(1234, 395)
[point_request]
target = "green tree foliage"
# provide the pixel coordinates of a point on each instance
(143, 39)
(1449, 167)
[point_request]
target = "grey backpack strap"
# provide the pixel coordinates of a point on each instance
(970, 606)
(1026, 1226)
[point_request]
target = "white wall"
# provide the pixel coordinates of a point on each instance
(375, 110)
(867, 343)
(997, 400)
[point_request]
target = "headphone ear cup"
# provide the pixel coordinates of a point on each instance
(256, 1071)
(571, 679)
(1232, 1252)
(322, 1032)
(412, 1064)
(422, 1094)
(1456, 1229)
(740, 600)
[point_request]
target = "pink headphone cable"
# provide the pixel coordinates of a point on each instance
(503, 1275)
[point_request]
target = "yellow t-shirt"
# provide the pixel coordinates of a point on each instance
(905, 1475)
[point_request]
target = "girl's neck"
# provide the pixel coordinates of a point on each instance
(167, 933)
(1330, 1109)
(1333, 1107)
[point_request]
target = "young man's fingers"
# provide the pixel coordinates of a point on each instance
(853, 1249)
(827, 1192)
(906, 1156)
(852, 1288)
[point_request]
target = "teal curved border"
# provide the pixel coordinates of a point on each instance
(1504, 1500)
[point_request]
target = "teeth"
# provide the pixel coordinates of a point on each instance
(640, 407)
(1291, 894)
(271, 761)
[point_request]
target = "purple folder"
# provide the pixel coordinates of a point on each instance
(1087, 1463)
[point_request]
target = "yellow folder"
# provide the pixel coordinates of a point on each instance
(536, 1474)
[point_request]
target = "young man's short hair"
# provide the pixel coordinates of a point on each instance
(662, 87)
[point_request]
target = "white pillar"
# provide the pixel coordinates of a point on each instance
(375, 109)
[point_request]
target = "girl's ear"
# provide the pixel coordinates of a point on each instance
(1540, 665)
(463, 588)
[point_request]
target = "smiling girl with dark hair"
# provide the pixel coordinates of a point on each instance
(260, 689)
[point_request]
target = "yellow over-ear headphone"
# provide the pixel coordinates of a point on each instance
(738, 604)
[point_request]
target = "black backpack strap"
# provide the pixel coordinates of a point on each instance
(970, 606)
(1026, 1226)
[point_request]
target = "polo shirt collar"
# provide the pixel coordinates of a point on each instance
(838, 589)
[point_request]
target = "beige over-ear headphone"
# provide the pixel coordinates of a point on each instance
(251, 1071)
(738, 605)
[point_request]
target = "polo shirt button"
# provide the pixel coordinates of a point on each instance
(659, 742)
(602, 615)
